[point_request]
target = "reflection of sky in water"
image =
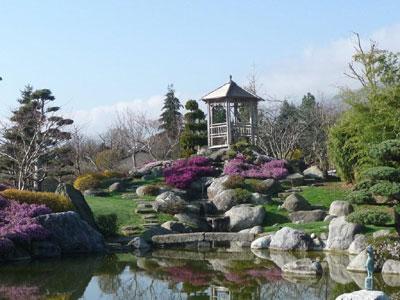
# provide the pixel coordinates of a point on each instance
(169, 274)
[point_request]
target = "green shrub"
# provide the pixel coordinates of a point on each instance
(242, 195)
(112, 174)
(387, 152)
(107, 224)
(234, 182)
(88, 181)
(151, 190)
(382, 173)
(386, 188)
(369, 217)
(256, 185)
(56, 202)
(363, 185)
(360, 197)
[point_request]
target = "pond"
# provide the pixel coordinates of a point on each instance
(176, 274)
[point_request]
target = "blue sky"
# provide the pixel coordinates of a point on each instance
(96, 54)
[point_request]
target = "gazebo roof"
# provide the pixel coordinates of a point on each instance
(230, 90)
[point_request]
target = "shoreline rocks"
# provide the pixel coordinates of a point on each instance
(290, 239)
(341, 234)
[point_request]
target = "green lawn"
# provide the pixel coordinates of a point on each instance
(325, 195)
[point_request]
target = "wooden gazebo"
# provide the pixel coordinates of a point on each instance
(232, 114)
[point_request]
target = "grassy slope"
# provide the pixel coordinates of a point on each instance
(320, 197)
(124, 208)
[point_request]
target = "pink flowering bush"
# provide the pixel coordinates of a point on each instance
(272, 169)
(185, 171)
(186, 274)
(17, 223)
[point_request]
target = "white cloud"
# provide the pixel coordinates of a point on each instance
(95, 120)
(321, 69)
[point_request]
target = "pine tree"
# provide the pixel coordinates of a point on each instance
(32, 145)
(171, 118)
(195, 129)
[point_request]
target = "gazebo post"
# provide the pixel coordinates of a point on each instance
(228, 124)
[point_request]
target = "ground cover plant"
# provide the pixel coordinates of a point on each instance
(56, 202)
(185, 171)
(17, 224)
(240, 166)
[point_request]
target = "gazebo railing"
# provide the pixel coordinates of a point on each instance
(242, 130)
(217, 130)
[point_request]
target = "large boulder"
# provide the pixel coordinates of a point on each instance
(340, 208)
(225, 200)
(314, 172)
(303, 267)
(357, 264)
(176, 227)
(295, 179)
(271, 186)
(245, 216)
(216, 186)
(79, 203)
(391, 266)
(193, 221)
(148, 168)
(306, 216)
(116, 187)
(262, 242)
(358, 244)
(295, 202)
(364, 295)
(257, 198)
(290, 239)
(169, 202)
(341, 234)
(71, 233)
(147, 190)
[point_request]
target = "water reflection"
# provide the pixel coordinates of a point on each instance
(172, 274)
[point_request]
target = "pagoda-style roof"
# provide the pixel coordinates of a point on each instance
(230, 90)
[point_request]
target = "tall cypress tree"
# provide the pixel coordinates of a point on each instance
(171, 118)
(195, 129)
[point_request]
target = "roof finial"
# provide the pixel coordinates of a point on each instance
(230, 78)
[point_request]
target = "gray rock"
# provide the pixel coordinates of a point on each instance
(71, 233)
(144, 190)
(307, 216)
(201, 184)
(178, 238)
(358, 244)
(290, 239)
(95, 193)
(364, 295)
(257, 198)
(152, 231)
(357, 264)
(271, 186)
(139, 243)
(169, 202)
(245, 216)
(176, 227)
(329, 218)
(218, 155)
(217, 186)
(262, 242)
(256, 230)
(116, 187)
(195, 222)
(225, 200)
(341, 234)
(314, 172)
(340, 208)
(295, 179)
(391, 280)
(79, 202)
(45, 249)
(303, 267)
(381, 233)
(337, 264)
(296, 202)
(391, 266)
(147, 168)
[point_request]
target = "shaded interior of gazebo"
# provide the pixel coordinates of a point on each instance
(232, 115)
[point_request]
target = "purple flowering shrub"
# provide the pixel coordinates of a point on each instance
(17, 223)
(183, 172)
(272, 169)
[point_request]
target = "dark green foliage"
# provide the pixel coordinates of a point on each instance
(242, 195)
(360, 197)
(171, 118)
(386, 188)
(242, 146)
(387, 152)
(234, 181)
(219, 114)
(369, 217)
(363, 185)
(107, 224)
(195, 129)
(382, 173)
